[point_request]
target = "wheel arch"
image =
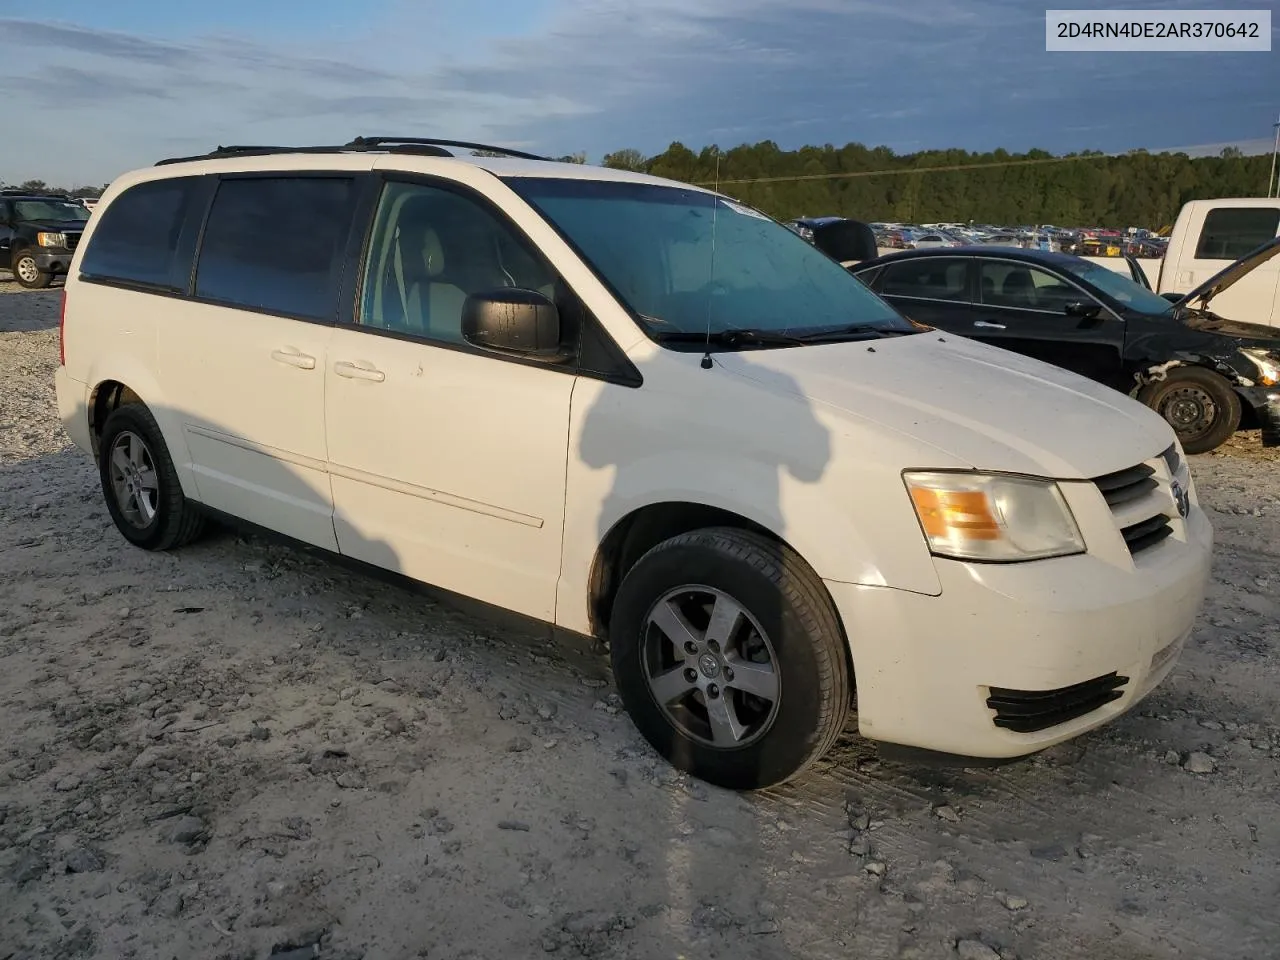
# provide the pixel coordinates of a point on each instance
(109, 392)
(637, 532)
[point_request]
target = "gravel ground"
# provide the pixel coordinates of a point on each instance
(243, 749)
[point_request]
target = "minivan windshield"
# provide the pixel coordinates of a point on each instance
(1120, 288)
(687, 262)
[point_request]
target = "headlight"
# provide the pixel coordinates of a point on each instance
(51, 239)
(1268, 366)
(974, 516)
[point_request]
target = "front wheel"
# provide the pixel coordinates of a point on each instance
(729, 657)
(28, 274)
(1199, 404)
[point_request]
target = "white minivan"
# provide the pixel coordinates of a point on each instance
(641, 411)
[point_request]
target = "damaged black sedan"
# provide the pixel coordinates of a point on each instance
(1203, 373)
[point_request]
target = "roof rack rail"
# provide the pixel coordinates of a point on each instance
(391, 143)
(422, 146)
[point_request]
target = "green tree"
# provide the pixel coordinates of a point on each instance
(626, 159)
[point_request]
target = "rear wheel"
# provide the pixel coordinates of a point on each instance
(27, 273)
(140, 484)
(729, 657)
(1200, 405)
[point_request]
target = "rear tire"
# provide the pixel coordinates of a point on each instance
(27, 273)
(729, 657)
(1199, 404)
(140, 484)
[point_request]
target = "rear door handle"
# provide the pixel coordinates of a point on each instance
(989, 325)
(294, 358)
(353, 371)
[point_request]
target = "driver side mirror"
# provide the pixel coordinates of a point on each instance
(1082, 309)
(513, 321)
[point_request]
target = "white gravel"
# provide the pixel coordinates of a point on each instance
(242, 747)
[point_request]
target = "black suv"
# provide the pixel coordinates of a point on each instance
(38, 234)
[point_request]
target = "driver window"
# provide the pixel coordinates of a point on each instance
(430, 250)
(1022, 286)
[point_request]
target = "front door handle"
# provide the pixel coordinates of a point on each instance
(294, 358)
(354, 371)
(989, 325)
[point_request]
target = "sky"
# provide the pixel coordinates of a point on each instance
(91, 89)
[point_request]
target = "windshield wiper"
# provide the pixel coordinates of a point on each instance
(857, 331)
(732, 338)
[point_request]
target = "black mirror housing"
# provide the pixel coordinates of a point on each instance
(513, 321)
(1082, 309)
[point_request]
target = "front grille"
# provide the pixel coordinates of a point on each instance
(1142, 505)
(1124, 486)
(1144, 535)
(73, 240)
(1027, 711)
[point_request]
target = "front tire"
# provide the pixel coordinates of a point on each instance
(140, 484)
(27, 273)
(1199, 404)
(729, 658)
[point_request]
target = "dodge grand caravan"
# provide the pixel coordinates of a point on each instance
(638, 410)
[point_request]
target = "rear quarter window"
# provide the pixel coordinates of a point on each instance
(275, 244)
(139, 238)
(1231, 232)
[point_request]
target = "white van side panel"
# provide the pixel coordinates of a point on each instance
(117, 340)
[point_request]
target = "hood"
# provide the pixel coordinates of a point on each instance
(1232, 274)
(989, 408)
(56, 226)
(1203, 321)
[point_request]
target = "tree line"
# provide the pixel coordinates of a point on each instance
(876, 184)
(39, 186)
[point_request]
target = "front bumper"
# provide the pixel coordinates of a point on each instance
(925, 667)
(53, 260)
(1266, 405)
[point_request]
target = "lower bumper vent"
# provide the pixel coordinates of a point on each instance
(1027, 711)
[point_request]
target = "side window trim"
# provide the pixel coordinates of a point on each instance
(615, 366)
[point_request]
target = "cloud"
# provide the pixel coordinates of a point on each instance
(564, 75)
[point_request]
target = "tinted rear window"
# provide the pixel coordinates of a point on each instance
(1231, 232)
(276, 244)
(934, 278)
(140, 238)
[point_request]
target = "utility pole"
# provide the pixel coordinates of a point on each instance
(1274, 150)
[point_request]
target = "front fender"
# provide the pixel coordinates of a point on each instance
(811, 478)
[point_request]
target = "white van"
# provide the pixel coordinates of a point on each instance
(641, 411)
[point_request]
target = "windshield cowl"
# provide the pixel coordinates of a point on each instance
(735, 338)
